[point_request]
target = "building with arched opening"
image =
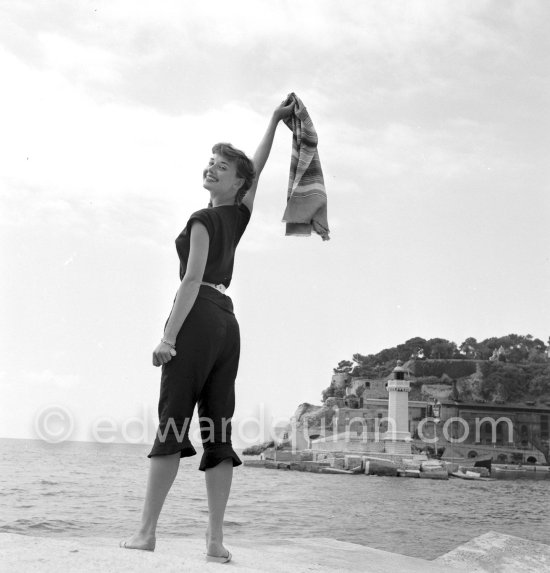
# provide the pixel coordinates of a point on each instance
(510, 433)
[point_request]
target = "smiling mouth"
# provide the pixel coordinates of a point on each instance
(210, 178)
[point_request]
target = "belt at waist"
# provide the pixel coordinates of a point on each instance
(220, 287)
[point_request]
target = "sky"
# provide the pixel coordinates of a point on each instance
(433, 126)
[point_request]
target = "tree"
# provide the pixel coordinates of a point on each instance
(469, 348)
(537, 355)
(363, 365)
(518, 348)
(344, 366)
(511, 381)
(327, 393)
(339, 392)
(487, 347)
(518, 353)
(540, 384)
(412, 348)
(441, 348)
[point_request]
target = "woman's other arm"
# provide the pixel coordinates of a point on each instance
(187, 292)
(264, 149)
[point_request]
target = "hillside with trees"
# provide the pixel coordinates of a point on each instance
(514, 368)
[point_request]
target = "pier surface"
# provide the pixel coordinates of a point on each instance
(493, 552)
(500, 553)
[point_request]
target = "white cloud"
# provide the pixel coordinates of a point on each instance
(40, 382)
(79, 62)
(263, 233)
(78, 160)
(191, 56)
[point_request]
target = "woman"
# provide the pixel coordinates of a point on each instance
(199, 352)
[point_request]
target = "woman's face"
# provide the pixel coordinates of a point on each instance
(221, 175)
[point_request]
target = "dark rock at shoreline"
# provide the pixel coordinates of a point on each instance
(258, 449)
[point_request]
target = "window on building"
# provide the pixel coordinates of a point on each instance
(524, 432)
(517, 457)
(486, 433)
(456, 430)
(544, 426)
(500, 434)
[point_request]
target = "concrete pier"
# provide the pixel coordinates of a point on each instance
(491, 552)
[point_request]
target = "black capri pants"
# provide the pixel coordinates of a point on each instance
(203, 372)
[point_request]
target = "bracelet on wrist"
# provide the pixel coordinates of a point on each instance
(164, 341)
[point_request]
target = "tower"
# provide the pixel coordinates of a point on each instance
(398, 438)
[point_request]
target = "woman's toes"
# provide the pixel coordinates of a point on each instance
(141, 544)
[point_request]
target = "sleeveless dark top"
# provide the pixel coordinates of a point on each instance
(225, 225)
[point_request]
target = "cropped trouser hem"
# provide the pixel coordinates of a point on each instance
(213, 453)
(170, 447)
(216, 453)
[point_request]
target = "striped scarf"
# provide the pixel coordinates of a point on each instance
(306, 207)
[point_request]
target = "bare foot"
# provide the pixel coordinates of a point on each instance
(214, 547)
(139, 541)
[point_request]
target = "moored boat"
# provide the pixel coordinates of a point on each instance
(470, 475)
(520, 472)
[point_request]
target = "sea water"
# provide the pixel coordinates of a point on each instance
(96, 490)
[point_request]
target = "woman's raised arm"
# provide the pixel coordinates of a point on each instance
(264, 148)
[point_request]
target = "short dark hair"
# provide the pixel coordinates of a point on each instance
(244, 166)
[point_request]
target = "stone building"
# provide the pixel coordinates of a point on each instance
(365, 388)
(371, 424)
(511, 433)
